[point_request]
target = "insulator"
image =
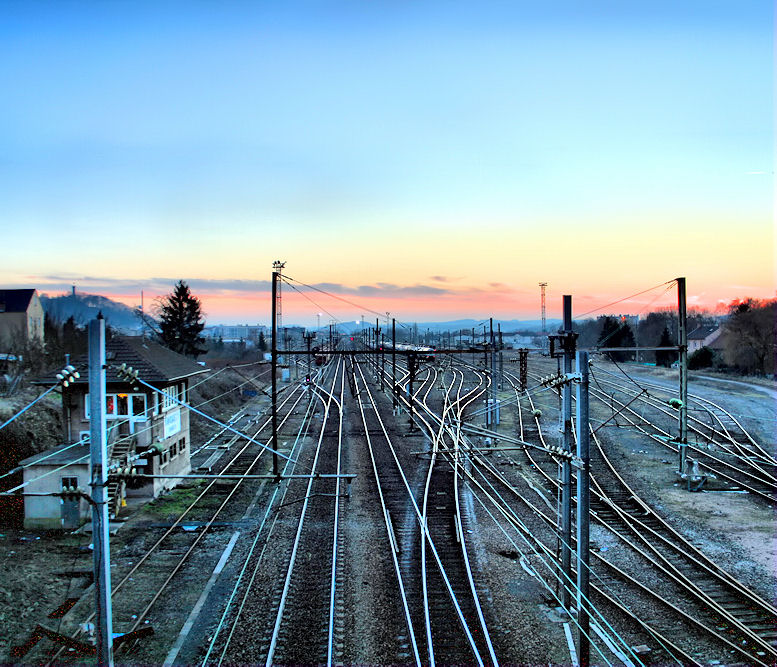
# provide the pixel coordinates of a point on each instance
(70, 368)
(60, 377)
(76, 375)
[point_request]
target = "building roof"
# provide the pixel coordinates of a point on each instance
(154, 363)
(59, 455)
(700, 333)
(15, 300)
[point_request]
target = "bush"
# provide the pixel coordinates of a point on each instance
(704, 357)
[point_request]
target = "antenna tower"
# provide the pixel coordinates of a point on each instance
(542, 295)
(276, 267)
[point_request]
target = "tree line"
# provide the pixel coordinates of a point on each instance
(746, 344)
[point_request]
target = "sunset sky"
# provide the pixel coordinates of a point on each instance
(432, 159)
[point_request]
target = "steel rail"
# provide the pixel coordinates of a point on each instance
(298, 535)
(280, 490)
(387, 522)
(128, 576)
(551, 523)
(765, 456)
(332, 585)
(666, 436)
(745, 456)
(679, 578)
(685, 548)
(428, 536)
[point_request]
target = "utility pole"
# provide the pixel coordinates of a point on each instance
(98, 451)
(308, 339)
(276, 272)
(383, 362)
(583, 511)
(523, 359)
(683, 345)
(492, 409)
(501, 358)
(394, 363)
(568, 347)
(412, 366)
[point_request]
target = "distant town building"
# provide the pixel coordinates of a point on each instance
(704, 336)
(21, 317)
(234, 333)
(146, 428)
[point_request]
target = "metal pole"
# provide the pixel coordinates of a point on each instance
(411, 365)
(274, 373)
(383, 362)
(583, 510)
(492, 344)
(99, 456)
(566, 468)
(393, 363)
(683, 344)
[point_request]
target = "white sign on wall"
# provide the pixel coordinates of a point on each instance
(172, 423)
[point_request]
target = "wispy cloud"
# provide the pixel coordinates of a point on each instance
(215, 286)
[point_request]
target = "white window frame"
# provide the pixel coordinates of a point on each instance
(169, 396)
(114, 415)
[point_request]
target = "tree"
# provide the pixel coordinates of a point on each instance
(262, 342)
(704, 357)
(665, 358)
(749, 336)
(181, 322)
(616, 334)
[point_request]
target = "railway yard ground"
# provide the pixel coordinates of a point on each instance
(340, 570)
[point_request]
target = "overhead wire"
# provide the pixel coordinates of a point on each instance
(626, 298)
(343, 299)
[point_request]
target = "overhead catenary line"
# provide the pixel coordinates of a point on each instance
(315, 303)
(340, 298)
(626, 298)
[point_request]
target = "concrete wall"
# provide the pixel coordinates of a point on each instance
(45, 512)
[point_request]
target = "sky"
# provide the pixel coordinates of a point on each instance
(435, 160)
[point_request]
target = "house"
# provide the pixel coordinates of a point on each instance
(147, 429)
(21, 317)
(703, 336)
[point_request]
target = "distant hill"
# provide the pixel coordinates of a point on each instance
(84, 307)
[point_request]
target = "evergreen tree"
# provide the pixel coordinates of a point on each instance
(616, 334)
(262, 342)
(665, 357)
(181, 322)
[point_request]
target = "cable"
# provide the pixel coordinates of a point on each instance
(340, 298)
(626, 298)
(213, 419)
(317, 305)
(28, 406)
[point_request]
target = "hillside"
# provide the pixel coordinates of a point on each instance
(84, 307)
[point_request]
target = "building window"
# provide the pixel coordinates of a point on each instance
(71, 482)
(121, 406)
(169, 397)
(139, 406)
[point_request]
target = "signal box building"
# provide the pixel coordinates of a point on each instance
(146, 429)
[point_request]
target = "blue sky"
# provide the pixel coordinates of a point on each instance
(202, 141)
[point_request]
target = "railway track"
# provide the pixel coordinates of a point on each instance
(443, 609)
(724, 608)
(154, 568)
